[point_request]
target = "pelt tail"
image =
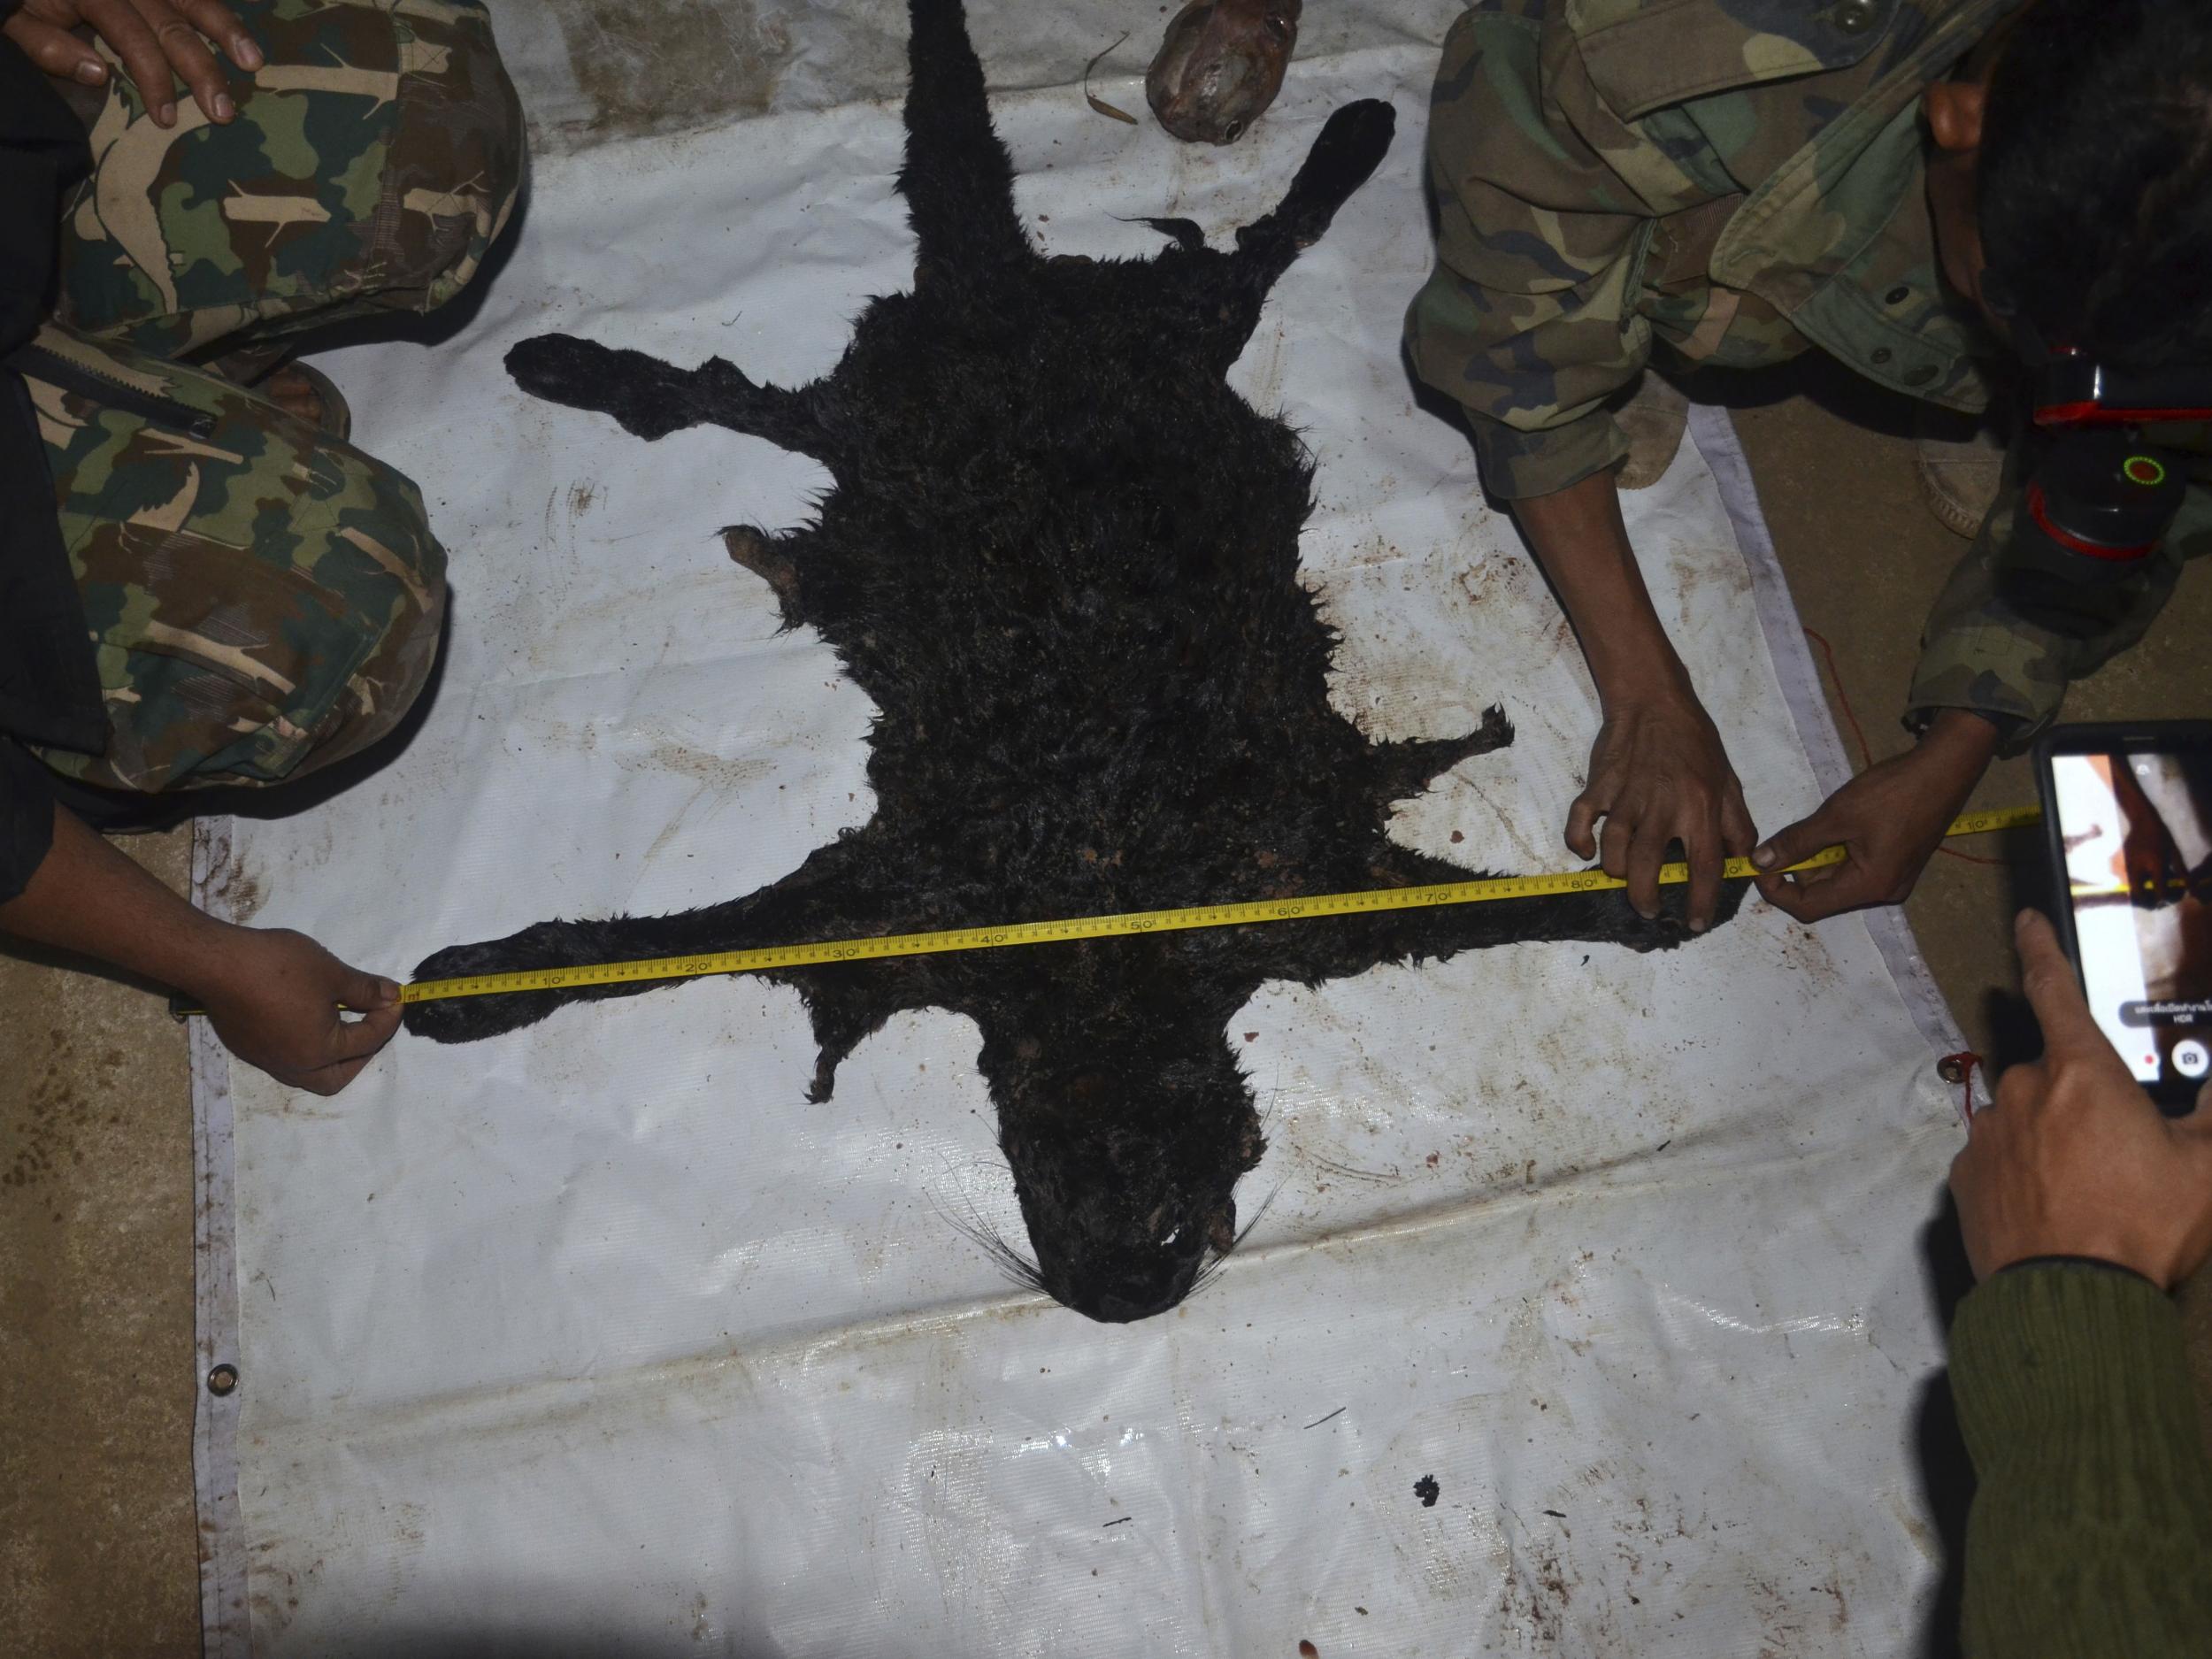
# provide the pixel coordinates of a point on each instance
(958, 180)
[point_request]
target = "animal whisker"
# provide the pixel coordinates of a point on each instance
(1266, 1204)
(1016, 1266)
(1215, 1259)
(1274, 1100)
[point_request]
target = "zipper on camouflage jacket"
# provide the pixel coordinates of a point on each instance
(109, 393)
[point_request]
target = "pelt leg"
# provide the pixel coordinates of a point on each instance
(829, 896)
(1350, 148)
(1231, 287)
(1405, 770)
(652, 398)
(1310, 952)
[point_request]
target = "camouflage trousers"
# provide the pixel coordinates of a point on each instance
(263, 600)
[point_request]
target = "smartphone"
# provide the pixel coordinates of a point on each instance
(2128, 811)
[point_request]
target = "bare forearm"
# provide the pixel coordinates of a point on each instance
(88, 898)
(1583, 545)
(274, 996)
(1960, 743)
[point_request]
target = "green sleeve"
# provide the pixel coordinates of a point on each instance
(2091, 1533)
(1530, 320)
(1979, 653)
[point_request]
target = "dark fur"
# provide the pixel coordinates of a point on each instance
(1062, 556)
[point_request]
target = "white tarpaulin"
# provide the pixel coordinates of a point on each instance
(598, 1338)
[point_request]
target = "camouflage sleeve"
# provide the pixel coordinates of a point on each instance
(1529, 321)
(1979, 652)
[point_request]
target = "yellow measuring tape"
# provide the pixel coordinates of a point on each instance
(992, 938)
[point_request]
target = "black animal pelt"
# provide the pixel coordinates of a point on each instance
(1062, 556)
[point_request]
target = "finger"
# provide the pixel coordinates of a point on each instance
(188, 54)
(1646, 854)
(1616, 836)
(1788, 893)
(117, 23)
(1701, 852)
(1785, 846)
(1812, 895)
(1816, 894)
(1582, 819)
(1738, 834)
(2054, 991)
(359, 1039)
(57, 50)
(218, 22)
(1796, 842)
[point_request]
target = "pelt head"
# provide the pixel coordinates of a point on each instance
(1220, 66)
(1125, 1157)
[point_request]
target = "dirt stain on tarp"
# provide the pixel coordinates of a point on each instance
(58, 1116)
(667, 66)
(233, 892)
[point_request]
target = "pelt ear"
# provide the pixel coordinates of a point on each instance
(1187, 235)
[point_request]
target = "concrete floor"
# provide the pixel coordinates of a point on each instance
(97, 1527)
(98, 1540)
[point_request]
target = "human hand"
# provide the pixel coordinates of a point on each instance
(152, 37)
(274, 997)
(2073, 1159)
(1657, 774)
(1890, 819)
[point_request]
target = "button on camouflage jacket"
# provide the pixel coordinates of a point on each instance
(1740, 180)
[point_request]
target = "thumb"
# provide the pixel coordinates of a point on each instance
(1796, 842)
(2053, 990)
(364, 993)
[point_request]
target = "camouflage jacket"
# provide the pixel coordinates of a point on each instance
(1740, 180)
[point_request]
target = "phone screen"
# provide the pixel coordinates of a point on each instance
(2135, 829)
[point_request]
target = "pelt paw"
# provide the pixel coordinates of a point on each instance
(560, 368)
(469, 1018)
